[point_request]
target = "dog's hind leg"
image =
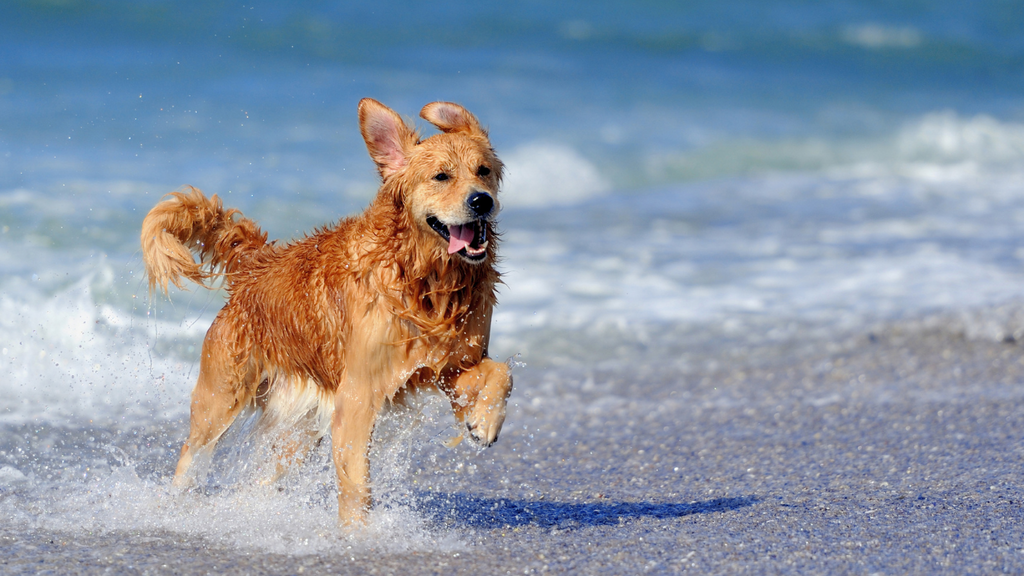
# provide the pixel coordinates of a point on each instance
(220, 394)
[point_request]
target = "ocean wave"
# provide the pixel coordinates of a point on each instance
(927, 147)
(541, 174)
(876, 36)
(68, 358)
(947, 137)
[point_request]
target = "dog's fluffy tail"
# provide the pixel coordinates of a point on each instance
(187, 222)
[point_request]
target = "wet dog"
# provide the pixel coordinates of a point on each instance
(321, 333)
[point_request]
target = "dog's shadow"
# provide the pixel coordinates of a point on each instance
(481, 512)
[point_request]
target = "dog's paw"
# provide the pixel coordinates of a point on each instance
(485, 420)
(480, 396)
(483, 437)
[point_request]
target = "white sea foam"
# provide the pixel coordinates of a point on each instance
(848, 291)
(11, 475)
(934, 148)
(946, 136)
(296, 515)
(298, 519)
(541, 174)
(66, 358)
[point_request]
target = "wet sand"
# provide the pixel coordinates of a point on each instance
(894, 451)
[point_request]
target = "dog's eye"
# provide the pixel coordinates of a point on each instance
(441, 177)
(483, 171)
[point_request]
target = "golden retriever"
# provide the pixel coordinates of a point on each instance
(322, 332)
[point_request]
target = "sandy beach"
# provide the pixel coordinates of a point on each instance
(896, 451)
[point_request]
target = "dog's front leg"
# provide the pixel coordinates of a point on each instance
(351, 429)
(478, 396)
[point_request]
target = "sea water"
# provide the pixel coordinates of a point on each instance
(683, 180)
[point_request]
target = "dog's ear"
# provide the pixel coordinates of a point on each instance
(387, 137)
(451, 117)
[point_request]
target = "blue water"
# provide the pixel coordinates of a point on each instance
(681, 176)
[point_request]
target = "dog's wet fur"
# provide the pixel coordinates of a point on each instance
(321, 333)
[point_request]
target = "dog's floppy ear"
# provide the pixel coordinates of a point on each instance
(451, 117)
(387, 137)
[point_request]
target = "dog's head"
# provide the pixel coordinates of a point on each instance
(448, 182)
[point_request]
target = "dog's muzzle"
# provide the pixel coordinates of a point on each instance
(468, 240)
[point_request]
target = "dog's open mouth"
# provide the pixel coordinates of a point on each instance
(467, 240)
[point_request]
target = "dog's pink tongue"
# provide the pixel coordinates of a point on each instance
(461, 236)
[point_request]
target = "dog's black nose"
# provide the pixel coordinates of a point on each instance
(481, 203)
